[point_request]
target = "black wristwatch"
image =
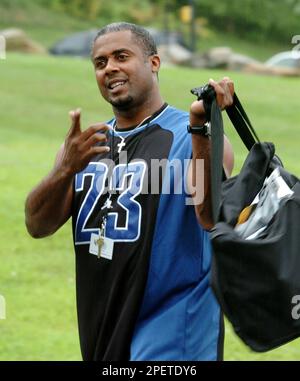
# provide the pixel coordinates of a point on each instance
(203, 130)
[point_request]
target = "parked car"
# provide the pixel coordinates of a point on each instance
(284, 63)
(289, 59)
(79, 44)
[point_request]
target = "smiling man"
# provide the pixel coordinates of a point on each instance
(142, 257)
(126, 70)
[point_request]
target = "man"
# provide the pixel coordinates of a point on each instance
(142, 259)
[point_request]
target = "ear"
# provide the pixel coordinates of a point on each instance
(155, 63)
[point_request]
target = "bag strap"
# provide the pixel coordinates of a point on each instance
(216, 158)
(241, 123)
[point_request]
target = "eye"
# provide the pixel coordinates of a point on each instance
(100, 63)
(122, 57)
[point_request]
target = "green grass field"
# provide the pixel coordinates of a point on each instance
(37, 276)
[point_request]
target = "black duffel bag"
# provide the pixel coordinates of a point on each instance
(256, 281)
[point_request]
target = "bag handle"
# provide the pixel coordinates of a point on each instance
(241, 123)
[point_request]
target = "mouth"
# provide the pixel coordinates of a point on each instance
(116, 84)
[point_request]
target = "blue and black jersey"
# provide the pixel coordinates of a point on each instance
(151, 300)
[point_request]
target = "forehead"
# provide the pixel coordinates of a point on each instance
(110, 42)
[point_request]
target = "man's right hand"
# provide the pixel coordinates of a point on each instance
(81, 146)
(48, 205)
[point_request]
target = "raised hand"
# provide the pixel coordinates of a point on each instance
(224, 90)
(80, 146)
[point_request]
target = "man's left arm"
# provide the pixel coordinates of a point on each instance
(201, 151)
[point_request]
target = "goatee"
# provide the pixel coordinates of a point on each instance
(122, 104)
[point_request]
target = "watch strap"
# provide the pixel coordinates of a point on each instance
(203, 130)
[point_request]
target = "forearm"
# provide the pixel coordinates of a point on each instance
(48, 206)
(202, 184)
(200, 180)
(201, 150)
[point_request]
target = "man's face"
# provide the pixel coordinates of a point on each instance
(125, 75)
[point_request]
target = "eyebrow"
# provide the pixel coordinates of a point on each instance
(115, 52)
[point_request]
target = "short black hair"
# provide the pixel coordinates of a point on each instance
(140, 34)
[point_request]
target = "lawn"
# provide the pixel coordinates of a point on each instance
(37, 276)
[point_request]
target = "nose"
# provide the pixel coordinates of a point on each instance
(111, 66)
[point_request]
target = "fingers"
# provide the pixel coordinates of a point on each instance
(75, 130)
(98, 150)
(96, 134)
(94, 140)
(224, 91)
(95, 128)
(93, 135)
(80, 147)
(230, 85)
(217, 86)
(91, 138)
(227, 82)
(223, 85)
(75, 118)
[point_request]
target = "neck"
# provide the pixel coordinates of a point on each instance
(135, 115)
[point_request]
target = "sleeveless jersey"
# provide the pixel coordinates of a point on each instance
(151, 300)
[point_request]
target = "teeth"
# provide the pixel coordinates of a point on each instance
(116, 84)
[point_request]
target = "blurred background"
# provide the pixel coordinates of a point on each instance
(45, 71)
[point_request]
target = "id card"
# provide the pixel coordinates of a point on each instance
(107, 247)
